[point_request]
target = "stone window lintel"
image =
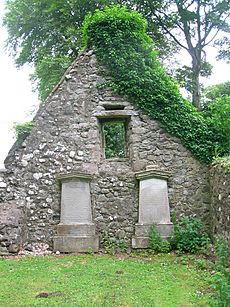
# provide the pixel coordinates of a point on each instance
(119, 114)
(73, 177)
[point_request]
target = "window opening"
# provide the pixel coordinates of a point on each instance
(111, 107)
(114, 139)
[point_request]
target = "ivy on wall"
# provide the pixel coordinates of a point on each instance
(121, 44)
(22, 130)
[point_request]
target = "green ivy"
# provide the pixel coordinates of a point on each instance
(22, 130)
(119, 39)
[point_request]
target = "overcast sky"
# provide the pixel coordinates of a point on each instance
(17, 100)
(16, 97)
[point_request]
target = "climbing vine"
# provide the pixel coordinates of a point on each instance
(119, 39)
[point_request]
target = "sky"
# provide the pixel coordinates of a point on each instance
(17, 100)
(16, 97)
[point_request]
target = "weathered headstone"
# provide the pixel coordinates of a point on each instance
(75, 201)
(76, 231)
(153, 206)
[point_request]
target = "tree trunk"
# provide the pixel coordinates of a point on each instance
(196, 93)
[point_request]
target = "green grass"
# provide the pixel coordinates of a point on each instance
(92, 280)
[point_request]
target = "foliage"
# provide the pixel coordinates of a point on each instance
(184, 75)
(43, 29)
(120, 41)
(216, 108)
(224, 162)
(221, 279)
(189, 235)
(114, 139)
(22, 130)
(44, 82)
(192, 25)
(218, 114)
(224, 48)
(101, 280)
(112, 245)
(216, 91)
(156, 243)
(38, 29)
(47, 34)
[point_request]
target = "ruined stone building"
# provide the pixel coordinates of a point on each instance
(63, 187)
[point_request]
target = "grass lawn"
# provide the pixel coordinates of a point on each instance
(103, 280)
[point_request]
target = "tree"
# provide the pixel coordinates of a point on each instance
(193, 25)
(46, 34)
(224, 46)
(216, 91)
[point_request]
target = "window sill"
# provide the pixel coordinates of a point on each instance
(116, 159)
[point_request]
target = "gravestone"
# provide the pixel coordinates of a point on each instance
(76, 231)
(153, 207)
(75, 201)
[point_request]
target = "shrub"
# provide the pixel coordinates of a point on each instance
(112, 245)
(221, 279)
(189, 235)
(156, 243)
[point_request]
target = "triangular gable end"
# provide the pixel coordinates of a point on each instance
(65, 164)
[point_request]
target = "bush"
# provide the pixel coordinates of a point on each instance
(156, 243)
(221, 279)
(189, 235)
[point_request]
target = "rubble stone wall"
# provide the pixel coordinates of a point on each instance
(220, 200)
(66, 138)
(12, 226)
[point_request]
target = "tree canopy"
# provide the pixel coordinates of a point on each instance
(193, 25)
(48, 33)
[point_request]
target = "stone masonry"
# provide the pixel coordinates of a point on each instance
(67, 139)
(220, 201)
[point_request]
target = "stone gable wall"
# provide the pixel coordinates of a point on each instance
(66, 138)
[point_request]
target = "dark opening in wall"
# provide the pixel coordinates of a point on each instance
(114, 138)
(113, 107)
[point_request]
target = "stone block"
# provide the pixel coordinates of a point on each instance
(140, 242)
(76, 230)
(73, 244)
(165, 230)
(141, 238)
